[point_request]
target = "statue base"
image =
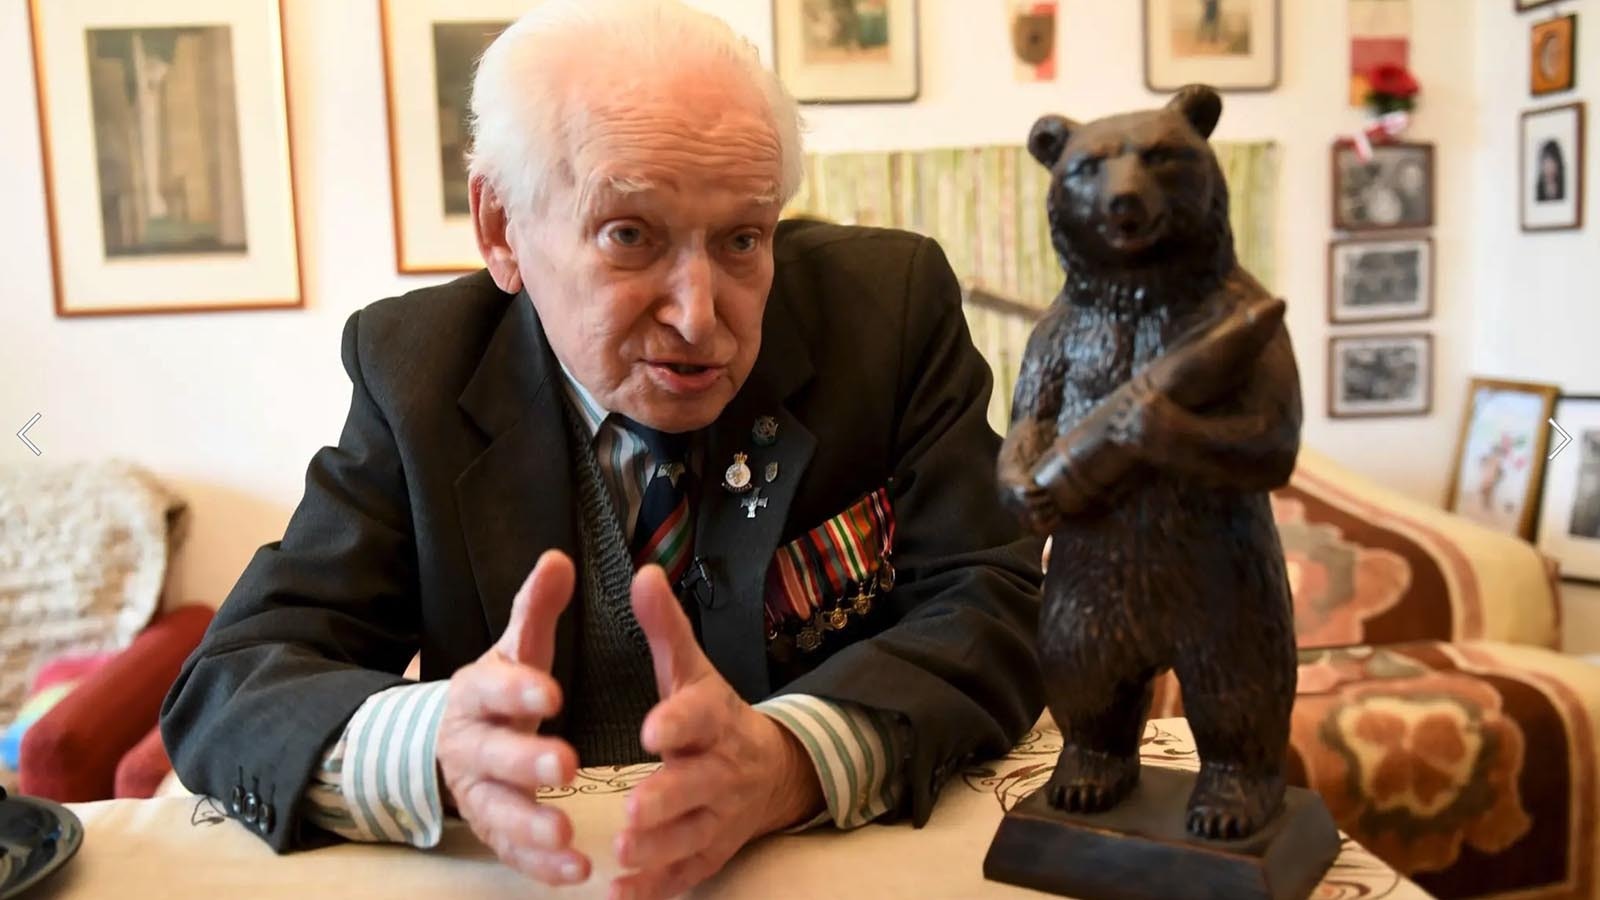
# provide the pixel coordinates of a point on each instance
(1139, 850)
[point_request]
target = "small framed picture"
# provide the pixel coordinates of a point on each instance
(1525, 5)
(1569, 519)
(1380, 375)
(169, 178)
(430, 51)
(1232, 45)
(1552, 68)
(1380, 280)
(1552, 168)
(847, 51)
(1391, 191)
(1500, 456)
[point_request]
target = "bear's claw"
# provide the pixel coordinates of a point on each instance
(1228, 805)
(1088, 781)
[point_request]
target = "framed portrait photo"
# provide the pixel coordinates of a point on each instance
(1500, 457)
(1391, 191)
(1380, 375)
(1569, 517)
(1552, 66)
(847, 51)
(1380, 280)
(1232, 45)
(430, 51)
(169, 178)
(1552, 168)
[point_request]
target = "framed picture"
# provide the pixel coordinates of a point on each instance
(430, 50)
(1552, 168)
(1232, 45)
(1380, 375)
(1500, 456)
(169, 175)
(1525, 5)
(1391, 191)
(1552, 67)
(1380, 280)
(1569, 519)
(847, 51)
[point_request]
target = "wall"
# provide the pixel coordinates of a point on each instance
(229, 407)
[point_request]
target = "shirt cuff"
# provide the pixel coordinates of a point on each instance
(379, 781)
(854, 749)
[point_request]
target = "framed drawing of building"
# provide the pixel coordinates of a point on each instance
(169, 175)
(430, 51)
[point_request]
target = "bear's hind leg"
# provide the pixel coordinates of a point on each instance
(1099, 762)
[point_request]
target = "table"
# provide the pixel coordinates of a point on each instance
(182, 847)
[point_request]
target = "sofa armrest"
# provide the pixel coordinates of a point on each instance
(71, 754)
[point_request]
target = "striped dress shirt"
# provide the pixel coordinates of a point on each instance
(379, 780)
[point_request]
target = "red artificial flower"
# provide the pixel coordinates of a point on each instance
(1392, 80)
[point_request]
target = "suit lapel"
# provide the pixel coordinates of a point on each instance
(515, 498)
(736, 548)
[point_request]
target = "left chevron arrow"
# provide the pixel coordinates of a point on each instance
(22, 435)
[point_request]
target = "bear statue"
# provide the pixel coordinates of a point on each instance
(1157, 404)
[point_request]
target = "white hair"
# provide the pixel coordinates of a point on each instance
(521, 120)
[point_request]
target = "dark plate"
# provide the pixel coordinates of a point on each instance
(37, 837)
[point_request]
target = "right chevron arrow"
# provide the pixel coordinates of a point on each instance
(1565, 439)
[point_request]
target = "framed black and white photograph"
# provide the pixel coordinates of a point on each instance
(1552, 168)
(847, 51)
(1569, 519)
(430, 51)
(169, 177)
(1232, 45)
(1380, 375)
(1391, 191)
(1380, 280)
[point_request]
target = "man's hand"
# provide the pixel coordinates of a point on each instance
(729, 774)
(490, 753)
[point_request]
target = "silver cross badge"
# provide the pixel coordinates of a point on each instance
(752, 503)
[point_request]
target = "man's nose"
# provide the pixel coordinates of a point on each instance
(691, 307)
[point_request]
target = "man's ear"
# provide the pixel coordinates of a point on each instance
(491, 225)
(1049, 137)
(1201, 105)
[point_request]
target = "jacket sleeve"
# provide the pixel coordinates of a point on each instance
(318, 622)
(958, 669)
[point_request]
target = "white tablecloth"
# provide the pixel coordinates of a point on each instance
(183, 847)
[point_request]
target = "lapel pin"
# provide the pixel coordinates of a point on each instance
(752, 503)
(737, 477)
(671, 470)
(765, 432)
(772, 472)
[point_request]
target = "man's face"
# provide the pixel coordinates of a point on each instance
(651, 273)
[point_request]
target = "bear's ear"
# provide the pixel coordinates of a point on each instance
(1049, 137)
(1201, 105)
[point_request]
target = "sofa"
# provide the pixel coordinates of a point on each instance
(1434, 713)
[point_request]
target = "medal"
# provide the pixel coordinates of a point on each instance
(752, 503)
(765, 431)
(808, 639)
(861, 604)
(737, 478)
(838, 619)
(885, 577)
(772, 472)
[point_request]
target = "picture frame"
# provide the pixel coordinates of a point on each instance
(1525, 5)
(430, 49)
(1233, 45)
(1500, 454)
(854, 51)
(1380, 375)
(1551, 165)
(1569, 504)
(1380, 280)
(1552, 55)
(1393, 191)
(168, 161)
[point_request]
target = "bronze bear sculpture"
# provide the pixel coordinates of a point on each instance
(1157, 405)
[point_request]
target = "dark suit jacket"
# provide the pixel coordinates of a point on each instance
(452, 475)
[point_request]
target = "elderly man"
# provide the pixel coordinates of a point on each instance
(746, 463)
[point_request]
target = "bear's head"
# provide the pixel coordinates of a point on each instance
(1137, 190)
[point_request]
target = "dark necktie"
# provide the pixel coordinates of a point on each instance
(664, 531)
